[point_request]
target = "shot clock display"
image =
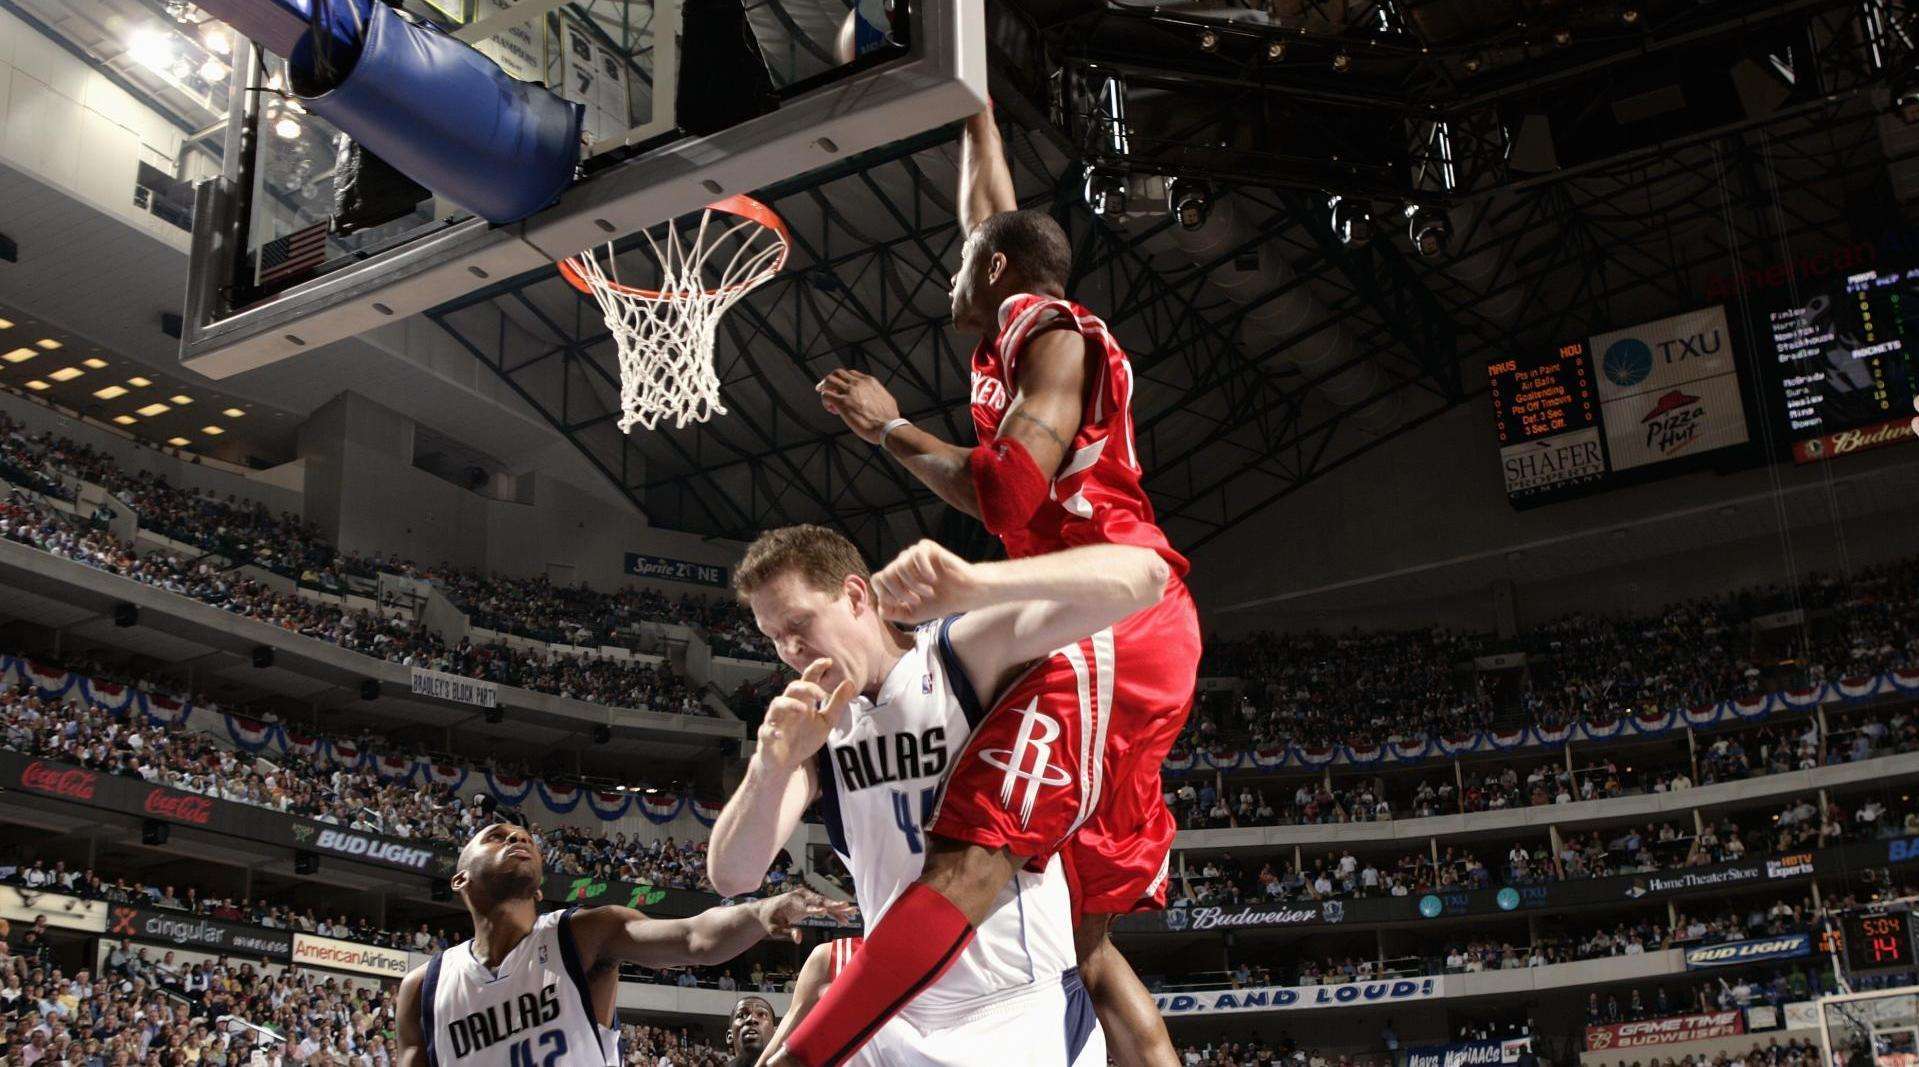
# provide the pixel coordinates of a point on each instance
(1874, 942)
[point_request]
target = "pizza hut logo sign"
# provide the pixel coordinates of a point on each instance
(72, 783)
(1674, 422)
(180, 807)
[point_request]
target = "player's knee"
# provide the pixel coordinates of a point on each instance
(970, 876)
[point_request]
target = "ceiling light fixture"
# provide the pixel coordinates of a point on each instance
(151, 410)
(95, 363)
(212, 431)
(19, 355)
(233, 413)
(111, 392)
(180, 399)
(138, 382)
(178, 442)
(125, 420)
(37, 385)
(66, 374)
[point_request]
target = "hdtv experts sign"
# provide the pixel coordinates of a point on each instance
(1294, 998)
(311, 951)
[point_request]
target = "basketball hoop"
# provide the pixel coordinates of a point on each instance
(666, 335)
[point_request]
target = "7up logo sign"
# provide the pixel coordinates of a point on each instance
(587, 889)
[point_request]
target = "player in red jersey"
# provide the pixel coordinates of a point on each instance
(1068, 760)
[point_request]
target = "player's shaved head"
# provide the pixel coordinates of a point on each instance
(499, 862)
(1033, 242)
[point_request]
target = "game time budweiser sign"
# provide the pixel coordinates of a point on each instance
(1665, 1031)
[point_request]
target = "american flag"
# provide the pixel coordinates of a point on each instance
(292, 255)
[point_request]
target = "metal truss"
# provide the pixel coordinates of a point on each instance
(1226, 430)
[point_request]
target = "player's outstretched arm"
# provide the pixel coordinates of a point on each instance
(1003, 481)
(780, 782)
(1019, 610)
(412, 1041)
(616, 934)
(985, 182)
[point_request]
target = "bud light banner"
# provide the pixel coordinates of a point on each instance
(1469, 1053)
(1296, 998)
(662, 569)
(1735, 952)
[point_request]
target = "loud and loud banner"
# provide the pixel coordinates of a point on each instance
(144, 800)
(1669, 389)
(1293, 998)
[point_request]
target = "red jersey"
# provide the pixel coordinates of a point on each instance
(1096, 497)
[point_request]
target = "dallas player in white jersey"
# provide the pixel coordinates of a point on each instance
(875, 752)
(532, 990)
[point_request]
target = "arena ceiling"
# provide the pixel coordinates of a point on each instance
(1268, 353)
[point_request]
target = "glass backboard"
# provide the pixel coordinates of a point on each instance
(304, 239)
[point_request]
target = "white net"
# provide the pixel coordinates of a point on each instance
(666, 336)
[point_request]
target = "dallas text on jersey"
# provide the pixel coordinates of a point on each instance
(503, 1019)
(892, 758)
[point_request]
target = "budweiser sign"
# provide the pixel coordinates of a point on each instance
(71, 783)
(180, 807)
(1665, 1031)
(1845, 442)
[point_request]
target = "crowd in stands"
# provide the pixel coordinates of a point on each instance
(1317, 689)
(1210, 802)
(1219, 880)
(118, 743)
(237, 531)
(1769, 1053)
(138, 1010)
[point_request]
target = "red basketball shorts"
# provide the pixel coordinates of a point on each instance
(1068, 759)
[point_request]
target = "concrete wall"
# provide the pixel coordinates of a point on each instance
(68, 125)
(366, 494)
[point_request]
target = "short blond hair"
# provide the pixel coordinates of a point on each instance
(822, 558)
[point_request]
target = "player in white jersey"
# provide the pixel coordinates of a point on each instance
(874, 751)
(532, 990)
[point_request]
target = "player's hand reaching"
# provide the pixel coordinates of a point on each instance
(798, 720)
(860, 401)
(782, 915)
(926, 582)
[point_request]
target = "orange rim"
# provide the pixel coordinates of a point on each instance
(742, 206)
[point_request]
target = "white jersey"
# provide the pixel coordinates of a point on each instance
(535, 1011)
(880, 772)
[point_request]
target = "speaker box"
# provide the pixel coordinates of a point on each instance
(602, 733)
(306, 863)
(262, 656)
(369, 690)
(125, 615)
(154, 832)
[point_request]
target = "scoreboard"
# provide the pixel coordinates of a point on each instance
(1547, 415)
(1842, 363)
(1878, 941)
(1626, 406)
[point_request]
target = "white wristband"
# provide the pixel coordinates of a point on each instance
(891, 425)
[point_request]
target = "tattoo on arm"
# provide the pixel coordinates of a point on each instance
(1048, 430)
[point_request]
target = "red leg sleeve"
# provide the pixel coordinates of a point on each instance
(920, 937)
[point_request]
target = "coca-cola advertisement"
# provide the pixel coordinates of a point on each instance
(178, 807)
(55, 780)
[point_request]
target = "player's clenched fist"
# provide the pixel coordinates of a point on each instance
(925, 582)
(798, 720)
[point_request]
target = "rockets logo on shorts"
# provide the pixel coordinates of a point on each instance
(1029, 760)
